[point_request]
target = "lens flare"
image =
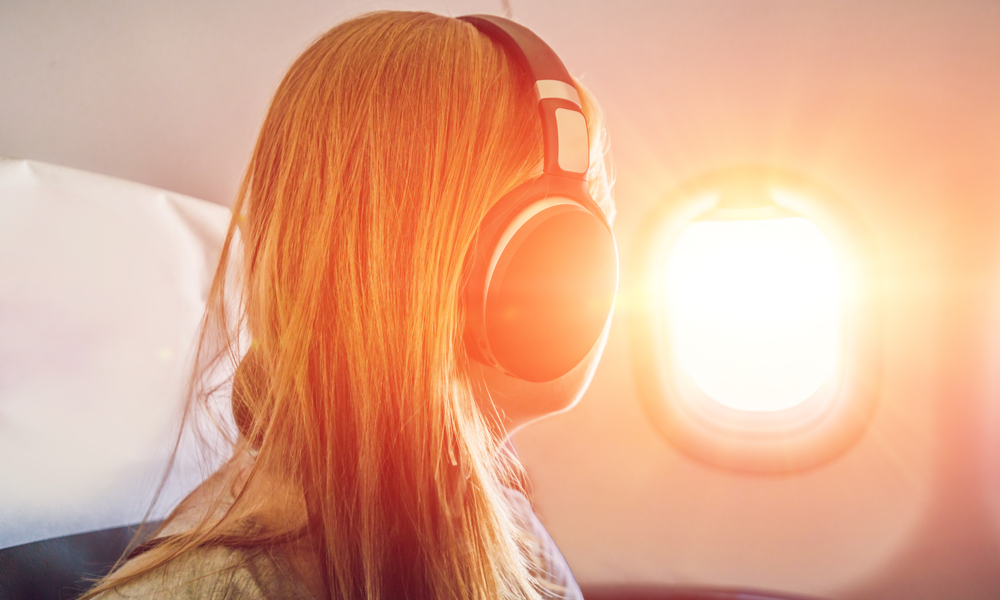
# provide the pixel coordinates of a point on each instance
(754, 310)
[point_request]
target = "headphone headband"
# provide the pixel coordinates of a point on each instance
(564, 127)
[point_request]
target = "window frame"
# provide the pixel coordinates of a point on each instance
(801, 437)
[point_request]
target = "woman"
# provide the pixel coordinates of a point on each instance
(371, 461)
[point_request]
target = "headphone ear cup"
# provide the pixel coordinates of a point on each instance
(551, 292)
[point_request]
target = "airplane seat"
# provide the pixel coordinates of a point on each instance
(102, 287)
(61, 567)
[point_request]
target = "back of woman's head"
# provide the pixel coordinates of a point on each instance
(385, 144)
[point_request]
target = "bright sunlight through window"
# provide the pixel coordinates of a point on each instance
(754, 310)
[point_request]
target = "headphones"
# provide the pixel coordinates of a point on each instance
(544, 267)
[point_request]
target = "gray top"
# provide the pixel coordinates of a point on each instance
(218, 573)
(221, 573)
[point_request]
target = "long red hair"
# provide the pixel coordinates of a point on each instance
(384, 145)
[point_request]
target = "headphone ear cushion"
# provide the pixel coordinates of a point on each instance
(551, 293)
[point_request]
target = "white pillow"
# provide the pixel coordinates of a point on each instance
(102, 287)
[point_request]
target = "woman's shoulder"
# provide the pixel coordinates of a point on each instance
(217, 573)
(548, 564)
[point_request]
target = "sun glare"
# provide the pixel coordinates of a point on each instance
(754, 310)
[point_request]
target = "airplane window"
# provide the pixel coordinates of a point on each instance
(756, 320)
(753, 310)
